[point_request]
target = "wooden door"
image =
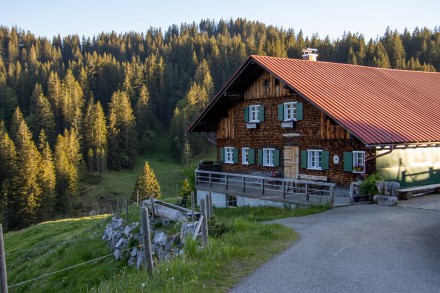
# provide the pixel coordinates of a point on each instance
(291, 161)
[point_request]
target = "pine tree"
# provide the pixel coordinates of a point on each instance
(67, 167)
(47, 180)
(95, 137)
(147, 184)
(72, 102)
(122, 132)
(8, 157)
(25, 193)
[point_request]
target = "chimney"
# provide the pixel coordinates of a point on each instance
(310, 54)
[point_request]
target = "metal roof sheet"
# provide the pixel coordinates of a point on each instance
(377, 105)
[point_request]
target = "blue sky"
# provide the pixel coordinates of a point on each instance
(90, 17)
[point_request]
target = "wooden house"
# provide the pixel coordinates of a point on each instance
(324, 122)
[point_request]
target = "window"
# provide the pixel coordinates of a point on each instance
(358, 162)
(245, 156)
(253, 113)
(290, 111)
(268, 157)
(229, 155)
(314, 159)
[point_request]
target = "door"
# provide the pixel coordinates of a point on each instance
(291, 161)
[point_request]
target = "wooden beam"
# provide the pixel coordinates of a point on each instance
(233, 94)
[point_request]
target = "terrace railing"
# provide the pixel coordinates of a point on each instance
(279, 189)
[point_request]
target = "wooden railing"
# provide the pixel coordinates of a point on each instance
(268, 187)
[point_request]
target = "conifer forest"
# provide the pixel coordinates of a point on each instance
(77, 104)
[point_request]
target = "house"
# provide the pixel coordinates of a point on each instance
(323, 122)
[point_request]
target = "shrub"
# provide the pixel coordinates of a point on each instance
(369, 184)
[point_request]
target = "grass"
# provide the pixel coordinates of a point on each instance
(241, 245)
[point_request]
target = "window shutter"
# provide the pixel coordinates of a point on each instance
(348, 161)
(246, 114)
(299, 111)
(261, 113)
(260, 157)
(304, 159)
(325, 165)
(222, 155)
(276, 158)
(251, 156)
(235, 156)
(280, 112)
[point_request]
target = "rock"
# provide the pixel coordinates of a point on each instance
(134, 251)
(171, 241)
(117, 253)
(120, 243)
(385, 200)
(188, 230)
(139, 259)
(127, 230)
(160, 238)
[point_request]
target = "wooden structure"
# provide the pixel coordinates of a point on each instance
(323, 121)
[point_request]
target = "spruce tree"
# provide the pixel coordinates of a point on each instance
(147, 184)
(47, 179)
(8, 157)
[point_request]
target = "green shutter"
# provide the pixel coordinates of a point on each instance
(304, 159)
(251, 156)
(276, 158)
(222, 155)
(235, 156)
(348, 161)
(261, 113)
(280, 112)
(299, 111)
(325, 165)
(246, 114)
(260, 157)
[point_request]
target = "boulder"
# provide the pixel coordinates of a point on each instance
(160, 238)
(383, 200)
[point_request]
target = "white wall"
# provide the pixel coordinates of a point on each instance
(218, 199)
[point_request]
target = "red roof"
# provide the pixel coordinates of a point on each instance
(378, 106)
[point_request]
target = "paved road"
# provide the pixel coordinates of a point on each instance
(365, 248)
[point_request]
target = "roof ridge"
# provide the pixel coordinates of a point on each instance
(343, 64)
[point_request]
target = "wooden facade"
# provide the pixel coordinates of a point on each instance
(315, 131)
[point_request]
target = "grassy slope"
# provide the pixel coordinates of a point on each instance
(52, 246)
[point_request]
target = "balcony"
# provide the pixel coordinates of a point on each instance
(300, 192)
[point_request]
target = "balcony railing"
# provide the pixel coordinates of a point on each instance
(269, 188)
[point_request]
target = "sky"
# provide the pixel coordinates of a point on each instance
(90, 17)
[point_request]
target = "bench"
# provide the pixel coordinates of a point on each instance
(408, 193)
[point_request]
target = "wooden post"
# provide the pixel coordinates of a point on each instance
(193, 216)
(148, 258)
(211, 210)
(205, 222)
(119, 208)
(153, 212)
(3, 276)
(207, 199)
(137, 196)
(332, 195)
(126, 211)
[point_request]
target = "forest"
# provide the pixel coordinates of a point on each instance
(74, 105)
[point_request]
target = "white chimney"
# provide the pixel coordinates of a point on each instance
(310, 54)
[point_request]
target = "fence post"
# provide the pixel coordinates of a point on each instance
(307, 191)
(153, 212)
(332, 194)
(211, 210)
(148, 258)
(205, 222)
(118, 207)
(137, 196)
(3, 275)
(262, 186)
(126, 211)
(193, 216)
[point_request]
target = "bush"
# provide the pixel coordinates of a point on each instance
(369, 185)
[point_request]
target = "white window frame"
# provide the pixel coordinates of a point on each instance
(314, 159)
(290, 111)
(268, 154)
(359, 160)
(254, 113)
(245, 156)
(229, 155)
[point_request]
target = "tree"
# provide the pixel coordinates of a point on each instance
(67, 167)
(25, 189)
(95, 137)
(72, 102)
(147, 184)
(47, 180)
(122, 132)
(8, 157)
